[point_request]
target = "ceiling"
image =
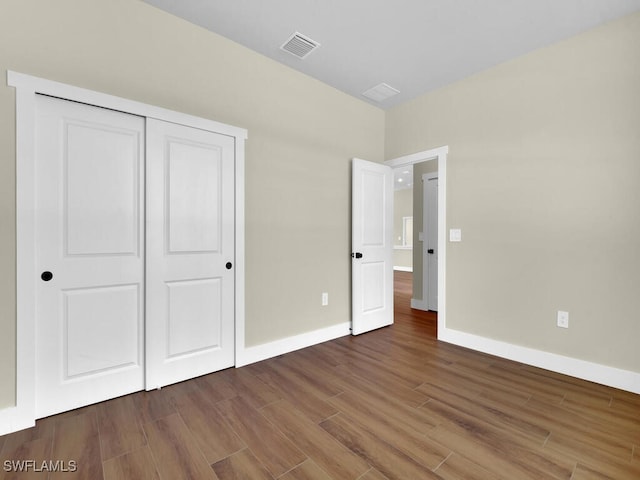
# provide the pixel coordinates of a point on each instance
(413, 46)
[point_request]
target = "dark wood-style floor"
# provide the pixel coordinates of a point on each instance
(394, 403)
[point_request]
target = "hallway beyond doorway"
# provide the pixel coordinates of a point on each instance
(402, 291)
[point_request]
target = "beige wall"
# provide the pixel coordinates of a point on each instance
(302, 135)
(543, 178)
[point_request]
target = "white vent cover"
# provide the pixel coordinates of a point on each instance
(380, 92)
(299, 45)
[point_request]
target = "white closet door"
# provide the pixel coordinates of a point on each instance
(90, 255)
(190, 253)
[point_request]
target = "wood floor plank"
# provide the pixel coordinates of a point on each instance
(390, 461)
(313, 366)
(38, 451)
(175, 451)
(215, 438)
(385, 423)
(589, 450)
(297, 363)
(215, 387)
(271, 447)
(250, 387)
(380, 388)
(120, 431)
(43, 429)
(333, 457)
(488, 456)
(373, 474)
(457, 467)
(623, 423)
(152, 405)
(291, 387)
(409, 421)
(307, 471)
(523, 455)
(242, 465)
(134, 465)
(493, 413)
(606, 471)
(77, 438)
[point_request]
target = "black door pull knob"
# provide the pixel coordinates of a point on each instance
(430, 251)
(46, 276)
(229, 265)
(356, 255)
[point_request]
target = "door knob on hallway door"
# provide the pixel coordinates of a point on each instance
(356, 255)
(430, 251)
(229, 265)
(46, 276)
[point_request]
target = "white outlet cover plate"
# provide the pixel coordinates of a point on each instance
(563, 319)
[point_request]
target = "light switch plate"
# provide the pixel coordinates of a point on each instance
(455, 235)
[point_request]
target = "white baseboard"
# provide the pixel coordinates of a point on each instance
(419, 304)
(593, 372)
(403, 269)
(13, 419)
(290, 344)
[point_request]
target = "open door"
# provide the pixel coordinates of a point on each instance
(372, 246)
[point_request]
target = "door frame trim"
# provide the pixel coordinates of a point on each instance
(22, 415)
(439, 154)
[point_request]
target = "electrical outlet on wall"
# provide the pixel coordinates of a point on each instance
(325, 299)
(563, 319)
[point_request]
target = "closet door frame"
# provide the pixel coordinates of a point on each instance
(22, 415)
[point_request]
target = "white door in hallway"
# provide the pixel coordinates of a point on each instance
(90, 254)
(372, 246)
(190, 252)
(430, 254)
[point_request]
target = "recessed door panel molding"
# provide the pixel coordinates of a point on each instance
(373, 217)
(194, 196)
(195, 316)
(190, 253)
(101, 189)
(373, 286)
(102, 330)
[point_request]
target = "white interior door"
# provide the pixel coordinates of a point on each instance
(90, 254)
(190, 252)
(372, 246)
(430, 255)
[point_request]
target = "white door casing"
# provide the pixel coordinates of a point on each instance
(440, 155)
(90, 252)
(430, 245)
(372, 246)
(190, 253)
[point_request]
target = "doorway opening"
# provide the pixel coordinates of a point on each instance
(419, 201)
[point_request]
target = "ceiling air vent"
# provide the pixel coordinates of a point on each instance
(299, 45)
(380, 92)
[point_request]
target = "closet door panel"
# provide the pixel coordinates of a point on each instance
(89, 254)
(190, 252)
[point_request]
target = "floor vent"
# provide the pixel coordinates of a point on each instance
(299, 45)
(380, 92)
